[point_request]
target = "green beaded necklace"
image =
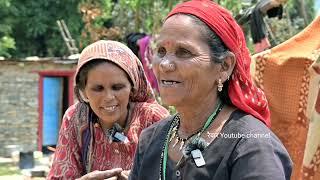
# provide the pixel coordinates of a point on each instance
(164, 153)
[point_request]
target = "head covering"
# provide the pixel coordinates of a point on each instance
(122, 56)
(242, 92)
(145, 57)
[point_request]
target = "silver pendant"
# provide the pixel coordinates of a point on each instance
(181, 145)
(198, 158)
(172, 136)
(175, 143)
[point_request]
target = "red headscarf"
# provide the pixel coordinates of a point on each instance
(242, 92)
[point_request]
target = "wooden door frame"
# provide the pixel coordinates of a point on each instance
(51, 73)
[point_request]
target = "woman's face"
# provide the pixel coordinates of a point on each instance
(194, 75)
(108, 89)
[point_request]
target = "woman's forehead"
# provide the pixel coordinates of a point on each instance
(179, 28)
(179, 21)
(107, 71)
(180, 38)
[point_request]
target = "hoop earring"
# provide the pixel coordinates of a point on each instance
(220, 85)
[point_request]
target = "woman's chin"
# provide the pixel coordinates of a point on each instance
(109, 122)
(170, 101)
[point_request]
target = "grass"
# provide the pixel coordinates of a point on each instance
(9, 169)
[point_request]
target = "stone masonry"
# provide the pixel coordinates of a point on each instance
(19, 103)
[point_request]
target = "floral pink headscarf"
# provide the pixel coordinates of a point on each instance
(121, 55)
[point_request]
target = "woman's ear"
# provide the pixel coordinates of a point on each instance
(227, 66)
(131, 94)
(84, 97)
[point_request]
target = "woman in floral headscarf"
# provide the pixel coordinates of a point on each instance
(221, 129)
(99, 134)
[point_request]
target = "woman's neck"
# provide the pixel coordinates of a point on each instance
(123, 122)
(192, 118)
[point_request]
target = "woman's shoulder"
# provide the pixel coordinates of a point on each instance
(253, 150)
(76, 113)
(257, 147)
(253, 133)
(70, 112)
(157, 129)
(242, 122)
(71, 122)
(152, 136)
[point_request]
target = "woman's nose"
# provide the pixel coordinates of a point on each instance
(109, 96)
(167, 66)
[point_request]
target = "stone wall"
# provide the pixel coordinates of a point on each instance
(19, 103)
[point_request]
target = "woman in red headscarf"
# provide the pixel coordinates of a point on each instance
(221, 129)
(99, 134)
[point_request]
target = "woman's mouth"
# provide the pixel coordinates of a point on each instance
(169, 82)
(110, 108)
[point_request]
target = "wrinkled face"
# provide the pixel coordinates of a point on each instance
(182, 64)
(108, 89)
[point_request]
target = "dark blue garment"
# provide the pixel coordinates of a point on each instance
(228, 157)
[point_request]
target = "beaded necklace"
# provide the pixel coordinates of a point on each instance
(173, 125)
(175, 134)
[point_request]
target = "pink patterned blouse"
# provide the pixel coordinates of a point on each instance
(102, 155)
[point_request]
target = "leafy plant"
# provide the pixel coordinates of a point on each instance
(35, 30)
(29, 28)
(97, 18)
(7, 43)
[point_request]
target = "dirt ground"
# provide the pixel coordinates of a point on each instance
(9, 170)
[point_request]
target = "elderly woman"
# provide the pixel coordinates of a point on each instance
(221, 129)
(99, 134)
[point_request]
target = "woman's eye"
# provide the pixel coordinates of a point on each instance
(117, 87)
(181, 52)
(98, 88)
(161, 52)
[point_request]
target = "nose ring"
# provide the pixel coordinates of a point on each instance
(168, 66)
(171, 67)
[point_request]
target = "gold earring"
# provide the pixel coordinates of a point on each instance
(220, 85)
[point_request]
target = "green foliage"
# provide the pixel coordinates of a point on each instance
(141, 15)
(5, 27)
(293, 20)
(106, 6)
(9, 169)
(147, 16)
(7, 43)
(295, 12)
(29, 28)
(232, 5)
(35, 30)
